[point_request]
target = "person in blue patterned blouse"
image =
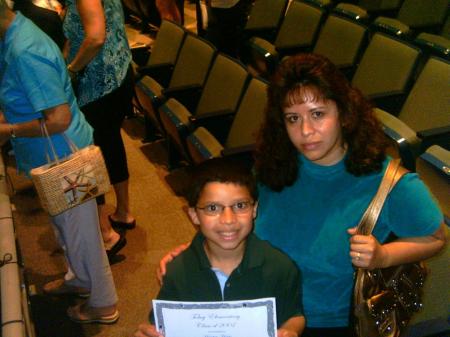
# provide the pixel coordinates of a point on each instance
(98, 57)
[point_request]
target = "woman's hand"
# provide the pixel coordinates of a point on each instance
(366, 251)
(146, 330)
(286, 333)
(161, 270)
(293, 327)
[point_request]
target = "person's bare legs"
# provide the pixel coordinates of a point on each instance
(109, 235)
(122, 212)
(168, 10)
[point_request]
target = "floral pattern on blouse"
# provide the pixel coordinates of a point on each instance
(108, 69)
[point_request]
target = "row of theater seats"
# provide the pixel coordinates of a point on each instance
(203, 102)
(339, 32)
(185, 87)
(267, 16)
(419, 15)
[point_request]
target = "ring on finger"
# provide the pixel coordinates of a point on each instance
(358, 256)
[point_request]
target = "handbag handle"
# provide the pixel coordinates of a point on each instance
(391, 176)
(46, 135)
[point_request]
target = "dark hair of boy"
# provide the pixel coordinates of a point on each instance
(221, 170)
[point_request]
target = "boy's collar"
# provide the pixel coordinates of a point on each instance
(252, 255)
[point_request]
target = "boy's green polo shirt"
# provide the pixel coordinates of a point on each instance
(263, 272)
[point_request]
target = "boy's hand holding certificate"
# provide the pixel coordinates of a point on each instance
(216, 319)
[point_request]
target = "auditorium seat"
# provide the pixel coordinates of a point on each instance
(159, 66)
(298, 32)
(241, 139)
(424, 119)
(352, 11)
(422, 15)
(265, 17)
(445, 31)
(187, 79)
(385, 72)
(218, 102)
(163, 53)
(342, 39)
(391, 26)
(433, 167)
(381, 7)
(433, 44)
(300, 25)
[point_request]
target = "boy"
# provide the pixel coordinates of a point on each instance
(225, 261)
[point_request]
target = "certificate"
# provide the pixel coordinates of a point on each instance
(255, 318)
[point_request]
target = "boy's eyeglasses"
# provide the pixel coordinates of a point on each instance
(240, 207)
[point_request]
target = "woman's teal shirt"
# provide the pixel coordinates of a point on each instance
(309, 222)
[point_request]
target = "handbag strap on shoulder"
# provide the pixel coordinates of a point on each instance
(391, 176)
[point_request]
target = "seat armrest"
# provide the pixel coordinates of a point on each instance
(264, 56)
(438, 178)
(188, 95)
(267, 33)
(239, 149)
(439, 158)
(435, 132)
(211, 114)
(263, 47)
(409, 145)
(218, 123)
(436, 136)
(160, 72)
(396, 129)
(389, 101)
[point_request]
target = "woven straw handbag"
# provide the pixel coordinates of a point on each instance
(65, 183)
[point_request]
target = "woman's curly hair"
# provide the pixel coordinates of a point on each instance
(276, 157)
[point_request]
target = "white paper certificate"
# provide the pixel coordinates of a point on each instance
(255, 318)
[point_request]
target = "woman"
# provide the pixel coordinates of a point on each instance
(319, 160)
(99, 61)
(35, 88)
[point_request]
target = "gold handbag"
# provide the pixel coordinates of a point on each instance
(65, 183)
(385, 299)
